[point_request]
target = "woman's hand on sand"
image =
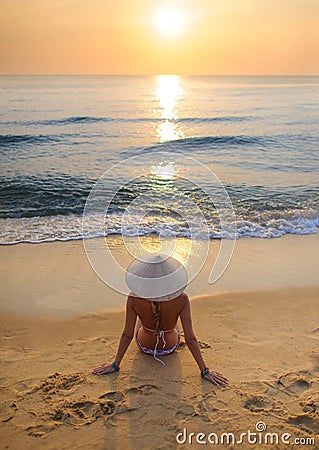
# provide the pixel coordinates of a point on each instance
(104, 369)
(216, 378)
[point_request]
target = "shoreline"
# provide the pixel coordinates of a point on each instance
(116, 236)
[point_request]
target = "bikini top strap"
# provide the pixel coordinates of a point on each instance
(161, 331)
(148, 329)
(166, 331)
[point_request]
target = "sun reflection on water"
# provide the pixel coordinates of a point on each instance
(168, 94)
(164, 171)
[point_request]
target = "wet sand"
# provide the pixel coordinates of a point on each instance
(264, 340)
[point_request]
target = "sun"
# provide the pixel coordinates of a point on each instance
(169, 22)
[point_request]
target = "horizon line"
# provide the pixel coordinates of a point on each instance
(161, 73)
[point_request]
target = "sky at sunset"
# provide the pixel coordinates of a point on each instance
(218, 37)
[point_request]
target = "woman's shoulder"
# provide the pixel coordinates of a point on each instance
(183, 297)
(178, 302)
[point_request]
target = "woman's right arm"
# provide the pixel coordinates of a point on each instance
(126, 338)
(191, 341)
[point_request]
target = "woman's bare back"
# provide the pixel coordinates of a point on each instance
(169, 313)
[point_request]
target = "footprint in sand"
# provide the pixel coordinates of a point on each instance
(257, 403)
(80, 413)
(57, 383)
(210, 403)
(303, 421)
(116, 396)
(21, 388)
(294, 383)
(143, 389)
(7, 411)
(185, 411)
(112, 402)
(210, 408)
(74, 413)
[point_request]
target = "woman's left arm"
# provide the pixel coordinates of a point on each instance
(125, 340)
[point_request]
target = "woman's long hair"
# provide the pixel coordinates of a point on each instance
(157, 317)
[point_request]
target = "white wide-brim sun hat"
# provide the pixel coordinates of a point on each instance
(156, 277)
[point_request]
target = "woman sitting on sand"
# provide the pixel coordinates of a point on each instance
(158, 305)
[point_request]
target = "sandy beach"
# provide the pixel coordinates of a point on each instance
(56, 326)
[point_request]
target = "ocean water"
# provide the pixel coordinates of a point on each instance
(60, 134)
